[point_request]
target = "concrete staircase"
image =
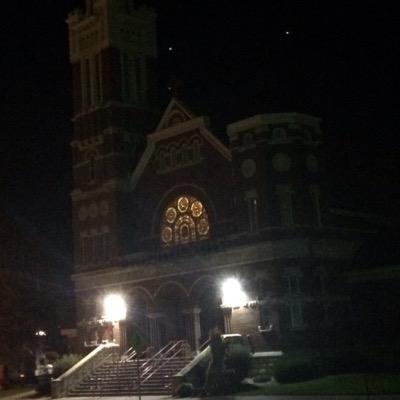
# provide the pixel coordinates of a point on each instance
(121, 378)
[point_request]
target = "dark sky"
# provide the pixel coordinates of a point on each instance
(235, 60)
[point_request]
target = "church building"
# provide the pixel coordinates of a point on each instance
(196, 234)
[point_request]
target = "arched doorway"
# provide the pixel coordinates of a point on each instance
(167, 318)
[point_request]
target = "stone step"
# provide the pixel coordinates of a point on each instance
(119, 379)
(120, 393)
(108, 383)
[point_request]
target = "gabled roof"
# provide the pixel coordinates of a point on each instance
(176, 112)
(168, 128)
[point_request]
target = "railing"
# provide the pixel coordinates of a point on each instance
(203, 345)
(180, 347)
(156, 357)
(149, 351)
(129, 355)
(132, 354)
(70, 379)
(188, 369)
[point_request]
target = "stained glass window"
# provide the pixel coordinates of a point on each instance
(184, 220)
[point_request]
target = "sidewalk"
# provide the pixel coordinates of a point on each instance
(19, 396)
(239, 397)
(32, 395)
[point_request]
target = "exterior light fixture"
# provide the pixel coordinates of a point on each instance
(114, 308)
(40, 333)
(232, 294)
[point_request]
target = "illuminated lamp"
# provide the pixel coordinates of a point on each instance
(232, 294)
(114, 308)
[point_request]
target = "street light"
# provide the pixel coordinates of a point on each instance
(233, 295)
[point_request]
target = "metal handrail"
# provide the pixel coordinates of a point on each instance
(141, 355)
(127, 352)
(171, 343)
(148, 371)
(62, 385)
(148, 350)
(204, 345)
(168, 351)
(159, 361)
(131, 356)
(184, 346)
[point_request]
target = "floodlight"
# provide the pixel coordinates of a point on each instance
(114, 308)
(233, 294)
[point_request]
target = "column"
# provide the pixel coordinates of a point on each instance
(192, 327)
(196, 328)
(227, 311)
(122, 340)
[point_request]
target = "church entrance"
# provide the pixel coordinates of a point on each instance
(173, 313)
(167, 319)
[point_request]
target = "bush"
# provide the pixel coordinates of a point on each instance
(65, 363)
(294, 370)
(237, 359)
(185, 390)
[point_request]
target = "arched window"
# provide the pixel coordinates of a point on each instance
(184, 220)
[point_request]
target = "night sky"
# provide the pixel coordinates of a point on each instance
(235, 59)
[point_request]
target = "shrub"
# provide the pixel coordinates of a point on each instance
(65, 363)
(294, 370)
(237, 359)
(185, 390)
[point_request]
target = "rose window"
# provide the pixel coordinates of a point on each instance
(185, 220)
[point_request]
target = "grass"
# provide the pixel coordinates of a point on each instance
(351, 384)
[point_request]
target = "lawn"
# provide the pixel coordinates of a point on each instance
(351, 384)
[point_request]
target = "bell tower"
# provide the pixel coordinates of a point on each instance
(113, 54)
